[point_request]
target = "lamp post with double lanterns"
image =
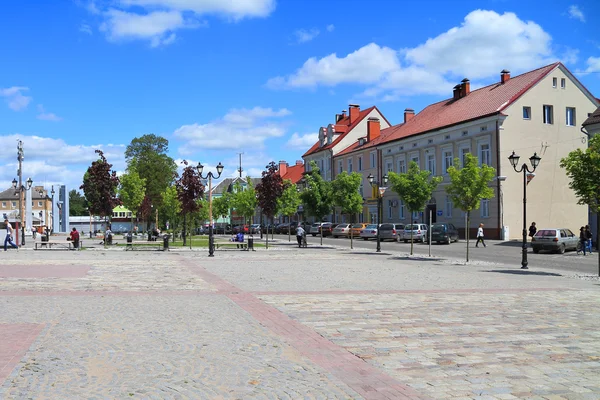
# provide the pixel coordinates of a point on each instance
(380, 192)
(210, 177)
(514, 161)
(20, 190)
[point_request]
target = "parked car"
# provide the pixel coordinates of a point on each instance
(355, 229)
(327, 228)
(442, 233)
(315, 229)
(419, 232)
(369, 232)
(554, 239)
(222, 229)
(241, 228)
(282, 228)
(391, 231)
(255, 228)
(341, 230)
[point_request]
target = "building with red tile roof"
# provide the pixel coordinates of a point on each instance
(292, 173)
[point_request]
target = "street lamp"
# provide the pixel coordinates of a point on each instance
(380, 192)
(514, 161)
(52, 212)
(210, 176)
(20, 189)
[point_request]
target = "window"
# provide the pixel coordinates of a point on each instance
(570, 116)
(401, 210)
(463, 151)
(449, 207)
(548, 114)
(3, 204)
(415, 215)
(484, 154)
(447, 160)
(360, 167)
(554, 82)
(40, 203)
(526, 112)
(129, 214)
(563, 83)
(361, 191)
(401, 166)
(14, 204)
(340, 166)
(372, 160)
(485, 208)
(349, 165)
(415, 158)
(390, 210)
(389, 166)
(465, 133)
(431, 163)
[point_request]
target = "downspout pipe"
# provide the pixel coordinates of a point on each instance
(498, 184)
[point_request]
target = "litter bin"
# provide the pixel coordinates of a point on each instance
(129, 241)
(250, 243)
(166, 242)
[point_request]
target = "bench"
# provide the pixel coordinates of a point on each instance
(66, 245)
(238, 245)
(145, 245)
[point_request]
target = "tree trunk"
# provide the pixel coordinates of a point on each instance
(467, 232)
(184, 230)
(352, 218)
(290, 228)
(597, 237)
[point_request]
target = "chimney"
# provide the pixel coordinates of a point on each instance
(354, 112)
(504, 76)
(409, 113)
(456, 92)
(282, 168)
(373, 128)
(299, 162)
(344, 113)
(465, 87)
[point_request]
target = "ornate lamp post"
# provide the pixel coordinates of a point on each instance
(380, 192)
(514, 161)
(210, 176)
(20, 189)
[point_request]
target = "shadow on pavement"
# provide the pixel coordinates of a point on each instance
(369, 253)
(523, 272)
(513, 243)
(417, 258)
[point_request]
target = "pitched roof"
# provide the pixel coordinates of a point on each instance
(226, 183)
(382, 138)
(593, 119)
(345, 122)
(486, 101)
(294, 173)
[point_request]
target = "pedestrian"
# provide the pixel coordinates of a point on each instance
(583, 239)
(74, 238)
(9, 239)
(33, 232)
(532, 229)
(480, 236)
(300, 232)
(588, 236)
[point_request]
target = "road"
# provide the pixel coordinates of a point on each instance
(508, 253)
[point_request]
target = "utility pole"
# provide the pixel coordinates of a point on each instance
(240, 168)
(19, 172)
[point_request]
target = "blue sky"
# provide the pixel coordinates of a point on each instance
(259, 77)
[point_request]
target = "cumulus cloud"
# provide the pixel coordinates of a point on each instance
(593, 65)
(302, 142)
(238, 128)
(485, 43)
(85, 28)
(47, 116)
(15, 98)
(306, 35)
(576, 13)
(330, 28)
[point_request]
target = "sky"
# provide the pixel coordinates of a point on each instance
(258, 77)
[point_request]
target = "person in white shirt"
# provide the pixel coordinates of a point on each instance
(300, 235)
(480, 236)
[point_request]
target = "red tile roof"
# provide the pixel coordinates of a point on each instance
(346, 128)
(294, 173)
(486, 101)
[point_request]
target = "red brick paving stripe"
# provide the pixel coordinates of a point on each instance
(408, 291)
(43, 271)
(362, 377)
(15, 340)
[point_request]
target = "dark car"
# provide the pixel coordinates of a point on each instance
(241, 228)
(282, 228)
(222, 229)
(327, 228)
(443, 233)
(292, 227)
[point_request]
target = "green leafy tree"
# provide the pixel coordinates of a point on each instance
(288, 202)
(132, 191)
(415, 188)
(583, 168)
(316, 197)
(100, 185)
(346, 195)
(468, 186)
(220, 206)
(171, 207)
(243, 199)
(77, 204)
(148, 156)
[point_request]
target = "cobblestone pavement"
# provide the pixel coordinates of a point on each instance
(290, 324)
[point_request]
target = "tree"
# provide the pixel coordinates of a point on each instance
(77, 203)
(243, 200)
(268, 191)
(132, 192)
(171, 207)
(583, 168)
(345, 189)
(189, 190)
(100, 187)
(288, 202)
(468, 186)
(220, 206)
(316, 197)
(148, 156)
(414, 188)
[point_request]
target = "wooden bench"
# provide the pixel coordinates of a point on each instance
(66, 245)
(238, 245)
(145, 245)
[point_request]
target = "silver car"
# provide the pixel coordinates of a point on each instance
(554, 239)
(391, 231)
(341, 230)
(369, 232)
(419, 233)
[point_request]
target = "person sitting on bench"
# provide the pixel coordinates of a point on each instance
(74, 237)
(239, 238)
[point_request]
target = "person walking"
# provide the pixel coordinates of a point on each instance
(589, 237)
(480, 236)
(33, 232)
(9, 239)
(583, 239)
(532, 229)
(300, 235)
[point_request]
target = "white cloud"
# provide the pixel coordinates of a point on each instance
(330, 28)
(593, 65)
(237, 129)
(485, 43)
(306, 35)
(47, 116)
(228, 8)
(576, 13)
(85, 28)
(302, 142)
(14, 97)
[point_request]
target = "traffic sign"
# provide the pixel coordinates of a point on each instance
(439, 213)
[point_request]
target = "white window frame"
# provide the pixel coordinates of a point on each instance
(461, 154)
(485, 208)
(570, 118)
(373, 158)
(554, 82)
(528, 109)
(340, 166)
(415, 216)
(447, 163)
(3, 204)
(449, 207)
(402, 165)
(14, 204)
(416, 158)
(548, 114)
(360, 166)
(430, 161)
(401, 213)
(563, 83)
(481, 152)
(349, 165)
(389, 166)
